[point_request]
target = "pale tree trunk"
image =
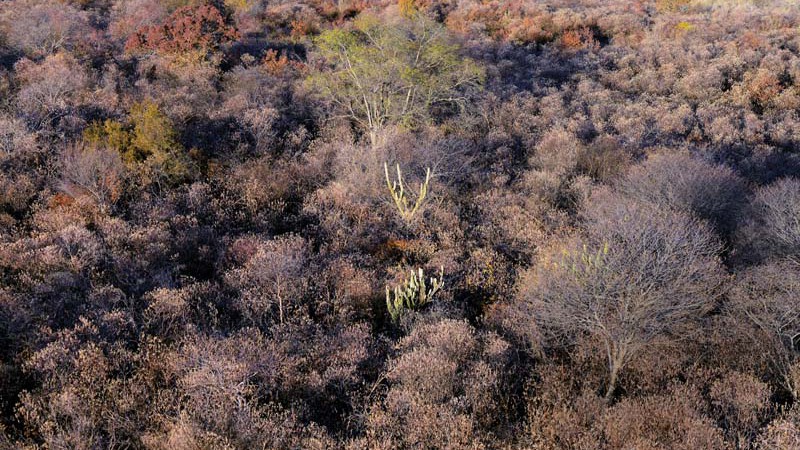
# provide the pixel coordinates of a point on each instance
(279, 295)
(612, 382)
(373, 137)
(616, 360)
(790, 385)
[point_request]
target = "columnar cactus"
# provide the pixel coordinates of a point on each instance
(398, 191)
(413, 294)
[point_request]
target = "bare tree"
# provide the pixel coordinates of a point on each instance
(638, 275)
(772, 228)
(273, 278)
(679, 181)
(764, 307)
(14, 138)
(93, 171)
(49, 89)
(40, 27)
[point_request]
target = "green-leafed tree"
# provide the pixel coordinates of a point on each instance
(378, 74)
(148, 143)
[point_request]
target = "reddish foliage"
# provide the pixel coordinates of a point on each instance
(278, 63)
(201, 28)
(579, 39)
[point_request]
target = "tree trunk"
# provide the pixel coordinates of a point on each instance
(612, 381)
(790, 386)
(373, 138)
(616, 359)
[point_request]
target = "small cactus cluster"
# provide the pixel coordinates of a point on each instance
(400, 196)
(413, 294)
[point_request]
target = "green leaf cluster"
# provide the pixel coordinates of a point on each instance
(147, 143)
(377, 74)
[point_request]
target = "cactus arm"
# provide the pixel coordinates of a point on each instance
(412, 294)
(397, 190)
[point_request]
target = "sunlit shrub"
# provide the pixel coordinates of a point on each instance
(39, 28)
(51, 89)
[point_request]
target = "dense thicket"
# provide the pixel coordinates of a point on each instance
(370, 224)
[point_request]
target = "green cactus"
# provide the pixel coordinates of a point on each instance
(413, 294)
(398, 191)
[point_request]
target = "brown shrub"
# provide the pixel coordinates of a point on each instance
(16, 192)
(445, 386)
(15, 140)
(97, 173)
(39, 28)
(557, 152)
(561, 411)
(782, 433)
(131, 16)
(762, 88)
(216, 397)
(672, 5)
(741, 404)
(604, 159)
(671, 420)
(348, 290)
(79, 404)
(50, 89)
(761, 309)
(172, 313)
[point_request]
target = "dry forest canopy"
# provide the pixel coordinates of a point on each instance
(413, 224)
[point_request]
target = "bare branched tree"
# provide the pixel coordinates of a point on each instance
(638, 275)
(764, 306)
(772, 228)
(685, 183)
(271, 282)
(93, 171)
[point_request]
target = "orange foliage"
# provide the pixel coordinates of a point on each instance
(506, 20)
(578, 40)
(59, 200)
(763, 87)
(276, 63)
(302, 27)
(200, 29)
